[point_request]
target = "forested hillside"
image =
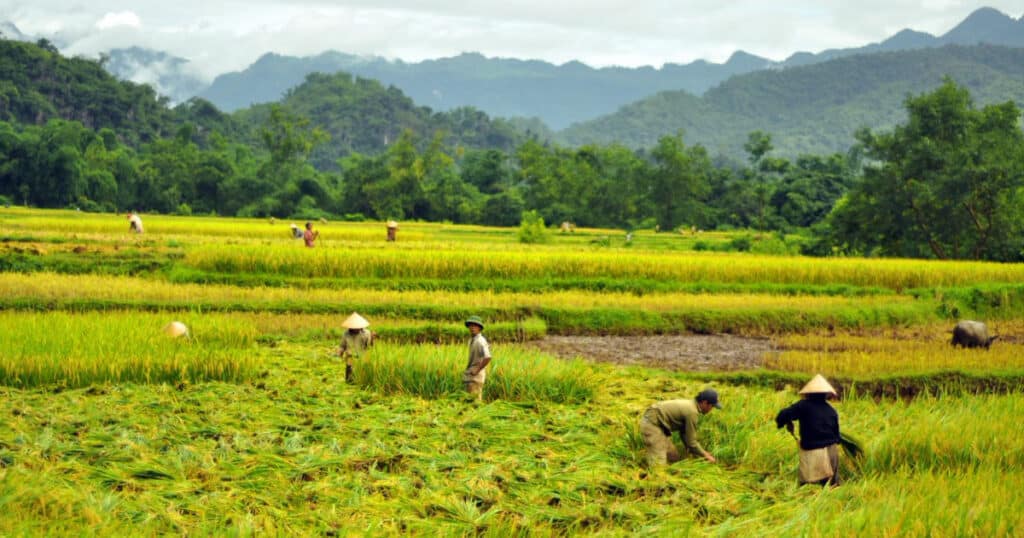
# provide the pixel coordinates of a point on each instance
(810, 109)
(364, 116)
(38, 84)
(558, 94)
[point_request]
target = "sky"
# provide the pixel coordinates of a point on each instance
(222, 36)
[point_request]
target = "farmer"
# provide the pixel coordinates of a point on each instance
(819, 432)
(296, 231)
(479, 357)
(392, 230)
(134, 222)
(354, 342)
(309, 235)
(660, 419)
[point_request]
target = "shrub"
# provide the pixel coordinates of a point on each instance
(531, 228)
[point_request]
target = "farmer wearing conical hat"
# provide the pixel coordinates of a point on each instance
(662, 418)
(479, 357)
(392, 230)
(176, 329)
(819, 432)
(355, 341)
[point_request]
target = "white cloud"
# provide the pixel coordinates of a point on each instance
(121, 18)
(219, 36)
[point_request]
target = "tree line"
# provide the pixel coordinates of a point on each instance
(947, 183)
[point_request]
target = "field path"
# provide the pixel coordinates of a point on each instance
(692, 353)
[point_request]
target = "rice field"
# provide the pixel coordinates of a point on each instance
(247, 426)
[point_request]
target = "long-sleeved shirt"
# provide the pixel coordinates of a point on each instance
(355, 344)
(681, 416)
(819, 422)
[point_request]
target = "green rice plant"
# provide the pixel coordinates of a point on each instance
(895, 274)
(75, 350)
(563, 311)
(299, 452)
(297, 327)
(515, 374)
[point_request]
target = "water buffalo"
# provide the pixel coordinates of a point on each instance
(971, 334)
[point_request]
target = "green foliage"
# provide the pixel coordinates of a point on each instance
(947, 184)
(532, 229)
(39, 85)
(513, 375)
(362, 115)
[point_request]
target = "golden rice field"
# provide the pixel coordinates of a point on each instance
(695, 266)
(114, 428)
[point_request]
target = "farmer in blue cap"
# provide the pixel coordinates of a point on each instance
(662, 418)
(479, 357)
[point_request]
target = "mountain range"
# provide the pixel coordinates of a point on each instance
(561, 95)
(810, 109)
(809, 102)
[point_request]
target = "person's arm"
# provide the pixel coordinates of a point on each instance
(786, 417)
(343, 348)
(689, 436)
(483, 364)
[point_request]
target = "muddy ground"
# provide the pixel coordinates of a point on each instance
(691, 353)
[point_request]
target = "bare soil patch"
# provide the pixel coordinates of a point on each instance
(691, 353)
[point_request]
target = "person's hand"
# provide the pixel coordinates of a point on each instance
(710, 458)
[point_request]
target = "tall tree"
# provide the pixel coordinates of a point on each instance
(679, 181)
(948, 183)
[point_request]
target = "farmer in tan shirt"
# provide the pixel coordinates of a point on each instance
(355, 341)
(479, 357)
(662, 418)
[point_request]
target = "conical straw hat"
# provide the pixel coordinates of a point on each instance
(175, 329)
(818, 385)
(392, 224)
(355, 321)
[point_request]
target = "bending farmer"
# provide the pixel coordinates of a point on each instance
(661, 419)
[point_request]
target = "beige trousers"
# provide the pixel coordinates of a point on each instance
(475, 388)
(660, 448)
(820, 465)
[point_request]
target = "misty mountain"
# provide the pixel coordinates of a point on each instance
(38, 84)
(170, 76)
(558, 94)
(985, 25)
(813, 108)
(9, 31)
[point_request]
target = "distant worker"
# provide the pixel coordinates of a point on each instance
(176, 329)
(134, 222)
(662, 418)
(819, 432)
(392, 230)
(354, 342)
(479, 357)
(296, 231)
(310, 235)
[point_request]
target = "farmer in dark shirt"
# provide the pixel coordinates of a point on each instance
(819, 432)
